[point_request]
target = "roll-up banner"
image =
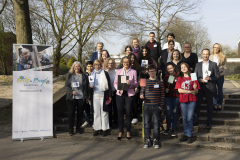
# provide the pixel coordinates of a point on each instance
(32, 92)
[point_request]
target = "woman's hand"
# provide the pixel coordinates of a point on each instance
(141, 96)
(128, 82)
(87, 100)
(136, 90)
(121, 92)
(74, 93)
(194, 85)
(91, 86)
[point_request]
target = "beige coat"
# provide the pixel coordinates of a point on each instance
(222, 67)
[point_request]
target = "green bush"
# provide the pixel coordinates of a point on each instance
(63, 69)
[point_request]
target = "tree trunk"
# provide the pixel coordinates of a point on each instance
(22, 22)
(57, 57)
(80, 52)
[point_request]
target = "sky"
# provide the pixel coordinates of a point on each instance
(220, 17)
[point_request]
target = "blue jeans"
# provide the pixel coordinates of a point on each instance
(172, 105)
(218, 97)
(149, 112)
(187, 115)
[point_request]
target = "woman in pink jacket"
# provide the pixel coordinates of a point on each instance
(124, 95)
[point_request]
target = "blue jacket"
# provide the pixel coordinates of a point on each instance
(94, 56)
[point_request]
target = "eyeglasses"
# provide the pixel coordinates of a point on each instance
(110, 63)
(152, 71)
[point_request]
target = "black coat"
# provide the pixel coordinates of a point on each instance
(85, 85)
(211, 84)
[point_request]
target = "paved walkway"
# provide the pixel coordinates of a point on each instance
(88, 149)
(67, 149)
(231, 87)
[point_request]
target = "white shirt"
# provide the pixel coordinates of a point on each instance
(215, 59)
(99, 53)
(176, 46)
(169, 56)
(205, 72)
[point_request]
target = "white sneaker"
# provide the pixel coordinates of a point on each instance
(85, 124)
(134, 121)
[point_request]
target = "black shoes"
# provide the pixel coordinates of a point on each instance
(166, 132)
(120, 136)
(147, 143)
(190, 140)
(173, 134)
(104, 133)
(95, 133)
(70, 133)
(219, 108)
(183, 139)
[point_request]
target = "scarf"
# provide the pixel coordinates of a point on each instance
(103, 83)
(136, 50)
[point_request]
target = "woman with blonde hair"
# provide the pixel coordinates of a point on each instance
(110, 67)
(101, 92)
(220, 58)
(77, 92)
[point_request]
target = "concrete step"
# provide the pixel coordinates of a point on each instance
(164, 142)
(232, 101)
(89, 136)
(226, 107)
(221, 121)
(219, 129)
(203, 145)
(221, 114)
(231, 96)
(215, 137)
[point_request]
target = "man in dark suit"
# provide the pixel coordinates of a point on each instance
(207, 74)
(96, 55)
(165, 57)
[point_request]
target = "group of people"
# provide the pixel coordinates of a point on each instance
(160, 79)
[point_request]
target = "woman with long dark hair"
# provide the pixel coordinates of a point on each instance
(188, 90)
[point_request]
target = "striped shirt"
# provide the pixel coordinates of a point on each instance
(153, 95)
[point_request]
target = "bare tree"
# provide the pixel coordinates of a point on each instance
(94, 17)
(157, 15)
(4, 4)
(192, 32)
(58, 14)
(22, 22)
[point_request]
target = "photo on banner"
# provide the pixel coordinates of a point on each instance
(32, 57)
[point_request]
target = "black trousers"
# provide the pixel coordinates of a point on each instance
(204, 91)
(124, 103)
(73, 105)
(136, 105)
(113, 115)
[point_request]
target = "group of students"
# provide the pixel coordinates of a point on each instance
(175, 81)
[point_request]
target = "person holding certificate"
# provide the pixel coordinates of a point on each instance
(171, 99)
(188, 88)
(77, 92)
(125, 82)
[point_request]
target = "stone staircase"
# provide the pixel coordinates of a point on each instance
(224, 134)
